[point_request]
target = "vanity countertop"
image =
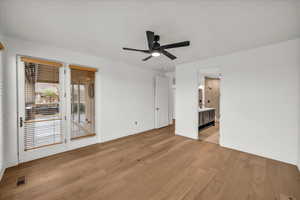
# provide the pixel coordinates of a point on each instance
(205, 109)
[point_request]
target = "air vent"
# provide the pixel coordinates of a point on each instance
(286, 197)
(21, 180)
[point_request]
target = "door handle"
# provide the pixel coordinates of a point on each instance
(157, 109)
(21, 122)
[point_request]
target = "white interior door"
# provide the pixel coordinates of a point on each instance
(161, 101)
(41, 110)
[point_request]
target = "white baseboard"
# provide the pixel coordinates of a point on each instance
(253, 152)
(11, 163)
(187, 136)
(116, 138)
(1, 173)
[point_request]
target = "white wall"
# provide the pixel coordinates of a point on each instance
(299, 134)
(172, 89)
(127, 96)
(1, 118)
(259, 102)
(174, 101)
(124, 94)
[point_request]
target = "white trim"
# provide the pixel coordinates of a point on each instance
(256, 153)
(2, 173)
(57, 149)
(187, 137)
(9, 164)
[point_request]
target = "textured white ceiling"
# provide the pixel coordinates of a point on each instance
(102, 28)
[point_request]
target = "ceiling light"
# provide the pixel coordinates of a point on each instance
(155, 54)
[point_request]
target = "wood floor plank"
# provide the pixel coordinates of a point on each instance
(155, 165)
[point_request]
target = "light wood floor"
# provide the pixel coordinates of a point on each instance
(210, 134)
(154, 165)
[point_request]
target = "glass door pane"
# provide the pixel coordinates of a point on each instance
(43, 120)
(82, 103)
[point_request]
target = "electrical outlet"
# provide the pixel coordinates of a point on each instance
(136, 123)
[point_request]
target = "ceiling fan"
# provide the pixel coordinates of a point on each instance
(155, 49)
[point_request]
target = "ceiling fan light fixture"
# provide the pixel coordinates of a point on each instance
(155, 54)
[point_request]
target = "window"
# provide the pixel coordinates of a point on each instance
(82, 102)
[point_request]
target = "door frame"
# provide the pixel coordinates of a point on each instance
(44, 151)
(204, 71)
(67, 144)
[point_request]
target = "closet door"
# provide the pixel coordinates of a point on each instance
(161, 102)
(41, 98)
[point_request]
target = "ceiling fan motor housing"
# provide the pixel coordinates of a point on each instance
(156, 46)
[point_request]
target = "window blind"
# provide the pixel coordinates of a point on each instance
(42, 124)
(82, 103)
(83, 68)
(41, 61)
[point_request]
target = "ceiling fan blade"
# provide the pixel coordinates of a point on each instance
(150, 39)
(169, 55)
(130, 49)
(176, 45)
(147, 58)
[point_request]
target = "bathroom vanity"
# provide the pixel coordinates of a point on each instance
(206, 117)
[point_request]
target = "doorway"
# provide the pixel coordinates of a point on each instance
(209, 107)
(56, 109)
